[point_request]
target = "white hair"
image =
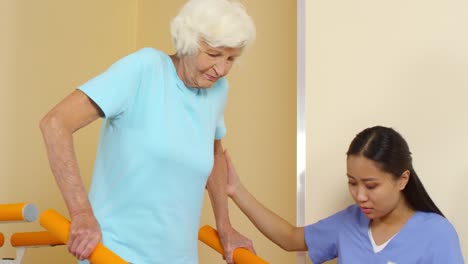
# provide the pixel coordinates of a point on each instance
(220, 23)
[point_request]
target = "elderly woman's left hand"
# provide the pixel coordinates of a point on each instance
(231, 239)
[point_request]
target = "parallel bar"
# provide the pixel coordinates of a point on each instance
(34, 239)
(58, 231)
(209, 236)
(59, 226)
(18, 212)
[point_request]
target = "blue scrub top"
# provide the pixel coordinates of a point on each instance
(154, 156)
(426, 238)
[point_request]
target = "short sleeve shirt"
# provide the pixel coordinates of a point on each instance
(425, 238)
(154, 156)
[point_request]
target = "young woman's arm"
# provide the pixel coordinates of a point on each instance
(275, 228)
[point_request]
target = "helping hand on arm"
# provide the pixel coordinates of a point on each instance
(230, 238)
(275, 228)
(57, 127)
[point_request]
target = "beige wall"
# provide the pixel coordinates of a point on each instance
(7, 27)
(52, 46)
(396, 63)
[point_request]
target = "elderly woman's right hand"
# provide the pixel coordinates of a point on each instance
(85, 234)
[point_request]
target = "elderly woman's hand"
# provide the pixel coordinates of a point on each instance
(231, 239)
(85, 234)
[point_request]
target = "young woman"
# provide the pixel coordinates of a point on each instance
(393, 219)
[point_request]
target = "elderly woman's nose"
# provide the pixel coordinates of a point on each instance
(221, 67)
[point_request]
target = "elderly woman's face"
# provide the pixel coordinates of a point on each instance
(210, 64)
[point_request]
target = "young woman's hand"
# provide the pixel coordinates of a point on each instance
(233, 181)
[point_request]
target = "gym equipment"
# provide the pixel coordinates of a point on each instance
(18, 212)
(57, 233)
(209, 236)
(22, 241)
(59, 226)
(34, 239)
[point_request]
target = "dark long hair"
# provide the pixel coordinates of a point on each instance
(389, 150)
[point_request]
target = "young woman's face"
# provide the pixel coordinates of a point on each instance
(377, 193)
(210, 64)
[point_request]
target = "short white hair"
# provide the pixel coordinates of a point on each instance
(220, 23)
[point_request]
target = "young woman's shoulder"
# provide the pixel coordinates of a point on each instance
(350, 215)
(443, 242)
(433, 219)
(436, 225)
(354, 211)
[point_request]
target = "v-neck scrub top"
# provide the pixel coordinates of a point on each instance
(426, 238)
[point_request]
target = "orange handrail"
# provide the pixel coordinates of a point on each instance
(18, 212)
(2, 239)
(59, 226)
(209, 236)
(58, 231)
(32, 239)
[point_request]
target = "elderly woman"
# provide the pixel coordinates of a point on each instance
(162, 130)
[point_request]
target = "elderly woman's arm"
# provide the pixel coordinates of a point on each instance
(216, 186)
(57, 127)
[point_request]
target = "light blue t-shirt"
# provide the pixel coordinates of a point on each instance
(426, 238)
(154, 156)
